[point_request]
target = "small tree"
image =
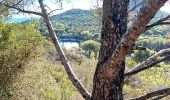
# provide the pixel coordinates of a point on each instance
(90, 46)
(141, 55)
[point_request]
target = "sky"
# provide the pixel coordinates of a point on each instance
(67, 5)
(81, 4)
(166, 7)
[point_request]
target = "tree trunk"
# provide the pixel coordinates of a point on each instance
(114, 25)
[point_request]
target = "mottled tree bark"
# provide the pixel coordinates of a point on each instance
(114, 25)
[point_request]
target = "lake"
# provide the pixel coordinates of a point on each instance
(69, 45)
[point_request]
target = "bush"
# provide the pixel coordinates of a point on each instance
(17, 45)
(90, 46)
(142, 55)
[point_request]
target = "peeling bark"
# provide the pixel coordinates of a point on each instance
(114, 25)
(146, 13)
(114, 51)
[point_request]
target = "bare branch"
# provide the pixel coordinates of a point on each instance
(159, 22)
(63, 58)
(165, 91)
(160, 97)
(22, 10)
(53, 11)
(150, 62)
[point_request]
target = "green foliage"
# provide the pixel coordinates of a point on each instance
(155, 43)
(142, 55)
(4, 13)
(90, 46)
(159, 30)
(148, 81)
(130, 62)
(66, 88)
(77, 23)
(17, 45)
(26, 66)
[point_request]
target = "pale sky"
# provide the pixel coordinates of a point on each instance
(166, 7)
(81, 4)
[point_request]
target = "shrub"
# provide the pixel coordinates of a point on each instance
(17, 45)
(142, 55)
(90, 46)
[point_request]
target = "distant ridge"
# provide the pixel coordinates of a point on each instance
(77, 15)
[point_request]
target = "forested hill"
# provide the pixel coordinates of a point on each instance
(78, 21)
(76, 17)
(86, 17)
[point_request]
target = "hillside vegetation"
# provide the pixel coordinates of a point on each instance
(30, 68)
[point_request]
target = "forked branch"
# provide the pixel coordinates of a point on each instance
(146, 13)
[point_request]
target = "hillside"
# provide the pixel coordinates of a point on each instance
(76, 17)
(77, 22)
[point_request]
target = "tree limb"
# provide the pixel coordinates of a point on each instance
(165, 91)
(150, 62)
(159, 22)
(53, 11)
(63, 58)
(22, 10)
(146, 13)
(160, 97)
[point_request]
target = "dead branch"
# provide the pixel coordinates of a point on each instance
(159, 22)
(165, 91)
(149, 63)
(63, 58)
(22, 10)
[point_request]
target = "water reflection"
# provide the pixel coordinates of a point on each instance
(69, 45)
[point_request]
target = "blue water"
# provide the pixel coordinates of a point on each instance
(18, 20)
